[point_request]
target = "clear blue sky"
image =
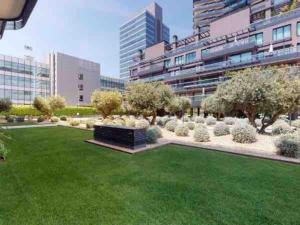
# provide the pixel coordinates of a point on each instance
(88, 28)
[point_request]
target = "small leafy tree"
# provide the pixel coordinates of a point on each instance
(48, 106)
(179, 105)
(5, 105)
(148, 98)
(56, 103)
(213, 104)
(106, 102)
(270, 91)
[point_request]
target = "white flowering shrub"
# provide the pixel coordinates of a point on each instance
(90, 124)
(229, 120)
(130, 122)
(296, 124)
(142, 123)
(157, 130)
(289, 145)
(221, 129)
(186, 119)
(162, 121)
(243, 133)
(54, 119)
(199, 119)
(200, 125)
(211, 121)
(151, 136)
(201, 135)
(171, 125)
(281, 127)
(74, 123)
(182, 130)
(258, 122)
(190, 125)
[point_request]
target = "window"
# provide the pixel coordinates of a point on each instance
(258, 16)
(205, 52)
(167, 63)
(80, 76)
(191, 57)
(257, 38)
(298, 28)
(81, 98)
(244, 57)
(80, 87)
(179, 60)
(282, 33)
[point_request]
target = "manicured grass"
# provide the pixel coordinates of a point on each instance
(26, 123)
(53, 177)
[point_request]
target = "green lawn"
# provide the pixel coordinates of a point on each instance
(25, 123)
(53, 177)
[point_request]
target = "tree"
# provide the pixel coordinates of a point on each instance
(48, 106)
(147, 98)
(179, 105)
(213, 104)
(5, 105)
(106, 102)
(270, 91)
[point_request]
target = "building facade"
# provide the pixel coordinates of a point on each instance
(73, 78)
(112, 84)
(195, 65)
(21, 80)
(143, 30)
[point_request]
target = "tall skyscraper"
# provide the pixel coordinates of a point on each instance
(141, 31)
(206, 11)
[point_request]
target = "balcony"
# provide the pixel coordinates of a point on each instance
(197, 100)
(231, 48)
(152, 69)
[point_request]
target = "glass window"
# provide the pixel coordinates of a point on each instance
(81, 98)
(282, 33)
(191, 57)
(8, 80)
(167, 63)
(80, 76)
(257, 38)
(179, 60)
(298, 28)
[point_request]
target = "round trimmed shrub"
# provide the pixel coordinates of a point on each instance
(119, 122)
(243, 133)
(229, 120)
(142, 124)
(200, 125)
(11, 119)
(107, 121)
(151, 136)
(157, 131)
(186, 119)
(171, 125)
(210, 121)
(41, 119)
(201, 135)
(162, 121)
(289, 145)
(54, 119)
(281, 127)
(296, 124)
(74, 123)
(130, 122)
(63, 118)
(221, 129)
(199, 119)
(190, 125)
(182, 130)
(90, 124)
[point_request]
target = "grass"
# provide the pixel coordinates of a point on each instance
(25, 123)
(53, 177)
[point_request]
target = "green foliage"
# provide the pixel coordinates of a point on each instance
(5, 105)
(281, 127)
(41, 119)
(54, 119)
(213, 104)
(90, 124)
(157, 130)
(179, 105)
(47, 107)
(171, 125)
(130, 122)
(107, 121)
(42, 105)
(106, 102)
(182, 130)
(56, 103)
(151, 136)
(74, 123)
(74, 111)
(201, 134)
(119, 122)
(243, 133)
(11, 119)
(163, 120)
(289, 145)
(142, 124)
(221, 129)
(210, 121)
(3, 151)
(63, 118)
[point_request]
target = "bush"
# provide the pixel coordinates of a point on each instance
(211, 121)
(199, 119)
(289, 145)
(229, 120)
(157, 131)
(151, 136)
(11, 119)
(119, 122)
(200, 125)
(63, 118)
(130, 122)
(107, 121)
(186, 119)
(243, 133)
(3, 151)
(258, 122)
(201, 135)
(162, 121)
(142, 124)
(171, 125)
(90, 124)
(54, 119)
(74, 123)
(41, 119)
(281, 127)
(190, 125)
(182, 131)
(5, 105)
(296, 124)
(75, 111)
(221, 129)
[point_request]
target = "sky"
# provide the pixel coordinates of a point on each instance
(88, 29)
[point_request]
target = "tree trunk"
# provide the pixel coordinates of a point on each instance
(264, 126)
(154, 115)
(251, 117)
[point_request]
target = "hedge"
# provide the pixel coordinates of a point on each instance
(68, 111)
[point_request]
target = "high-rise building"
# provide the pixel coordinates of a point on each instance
(141, 31)
(206, 11)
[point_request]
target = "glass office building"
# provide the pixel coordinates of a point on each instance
(21, 80)
(140, 32)
(111, 84)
